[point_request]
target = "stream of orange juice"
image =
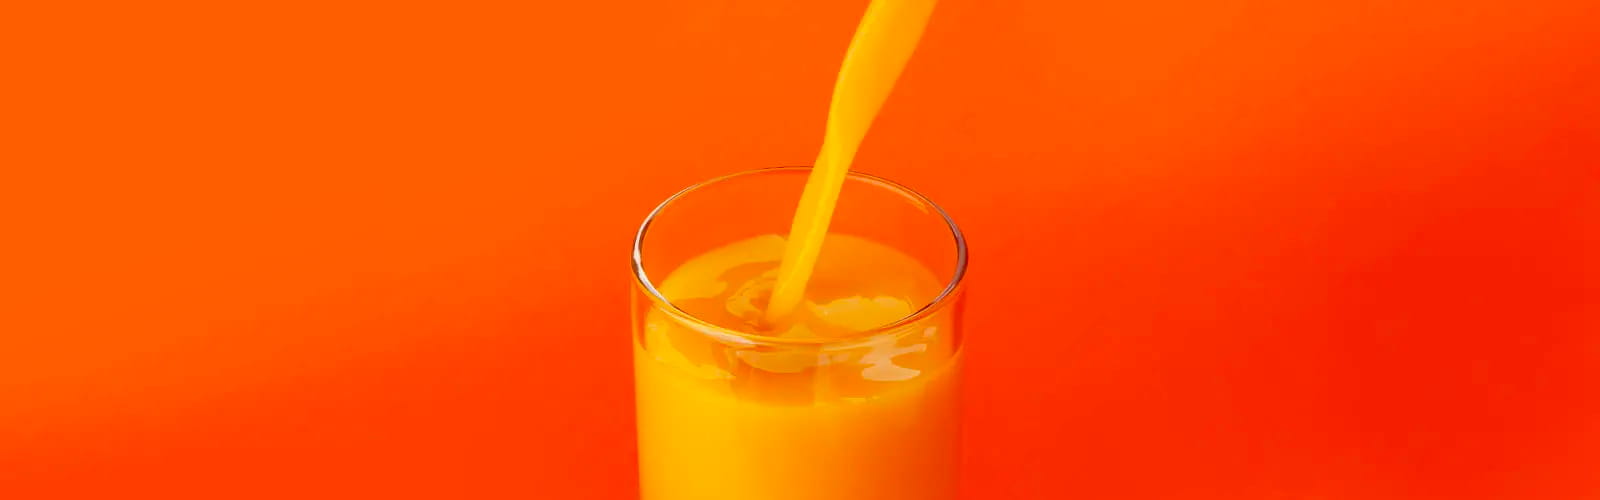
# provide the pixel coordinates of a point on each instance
(883, 42)
(793, 416)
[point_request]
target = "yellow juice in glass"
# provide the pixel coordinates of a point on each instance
(830, 405)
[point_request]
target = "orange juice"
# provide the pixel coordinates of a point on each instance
(814, 367)
(836, 403)
(883, 42)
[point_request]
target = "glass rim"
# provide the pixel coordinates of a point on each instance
(946, 296)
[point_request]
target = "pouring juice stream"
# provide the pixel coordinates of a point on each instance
(883, 42)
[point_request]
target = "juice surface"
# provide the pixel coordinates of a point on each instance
(861, 416)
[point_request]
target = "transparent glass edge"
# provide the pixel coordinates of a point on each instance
(949, 295)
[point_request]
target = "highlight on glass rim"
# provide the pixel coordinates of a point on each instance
(800, 249)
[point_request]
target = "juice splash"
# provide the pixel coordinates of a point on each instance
(883, 42)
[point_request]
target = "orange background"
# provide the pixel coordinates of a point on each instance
(1221, 249)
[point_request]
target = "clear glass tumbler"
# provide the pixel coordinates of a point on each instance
(860, 402)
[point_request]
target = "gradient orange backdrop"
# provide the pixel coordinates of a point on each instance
(1221, 249)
